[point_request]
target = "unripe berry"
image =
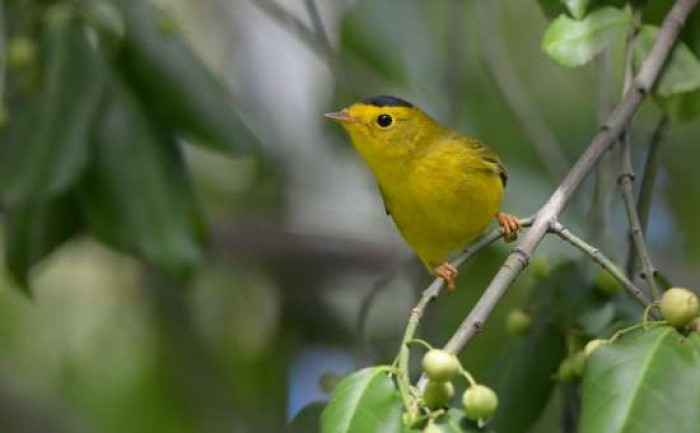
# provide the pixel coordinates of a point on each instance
(480, 402)
(518, 322)
(21, 53)
(592, 346)
(438, 394)
(606, 284)
(439, 365)
(540, 268)
(679, 306)
(329, 381)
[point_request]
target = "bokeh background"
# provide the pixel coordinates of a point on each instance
(302, 275)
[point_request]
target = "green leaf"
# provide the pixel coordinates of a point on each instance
(34, 230)
(681, 72)
(307, 420)
(174, 83)
(573, 43)
(47, 149)
(577, 8)
(647, 382)
(365, 401)
(137, 195)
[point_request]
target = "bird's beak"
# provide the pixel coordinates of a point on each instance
(340, 116)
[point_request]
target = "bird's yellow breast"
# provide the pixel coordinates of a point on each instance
(442, 200)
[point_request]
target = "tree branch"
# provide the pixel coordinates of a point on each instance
(599, 257)
(609, 132)
(434, 289)
(626, 177)
(542, 138)
(646, 190)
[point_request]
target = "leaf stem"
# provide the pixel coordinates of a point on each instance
(600, 258)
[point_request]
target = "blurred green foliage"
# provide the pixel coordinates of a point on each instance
(179, 262)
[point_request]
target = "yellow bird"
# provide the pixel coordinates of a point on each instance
(441, 188)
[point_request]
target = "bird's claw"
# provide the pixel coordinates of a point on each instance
(448, 273)
(510, 225)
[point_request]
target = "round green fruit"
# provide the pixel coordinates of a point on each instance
(606, 284)
(518, 322)
(438, 394)
(679, 306)
(440, 366)
(21, 53)
(480, 402)
(540, 268)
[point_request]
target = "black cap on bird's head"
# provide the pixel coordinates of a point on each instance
(387, 101)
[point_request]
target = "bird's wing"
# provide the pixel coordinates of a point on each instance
(487, 155)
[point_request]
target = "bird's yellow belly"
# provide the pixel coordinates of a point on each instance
(442, 215)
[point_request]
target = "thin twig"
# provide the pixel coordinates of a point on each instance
(651, 168)
(540, 135)
(293, 24)
(599, 257)
(605, 137)
(434, 289)
(597, 213)
(646, 190)
(626, 177)
(317, 23)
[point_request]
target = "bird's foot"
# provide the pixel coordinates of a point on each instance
(510, 225)
(448, 273)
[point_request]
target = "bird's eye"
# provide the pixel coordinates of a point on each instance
(384, 120)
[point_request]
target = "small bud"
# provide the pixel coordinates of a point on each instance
(606, 284)
(438, 394)
(329, 381)
(679, 306)
(518, 322)
(540, 268)
(21, 54)
(439, 365)
(694, 325)
(480, 402)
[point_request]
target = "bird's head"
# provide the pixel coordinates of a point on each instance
(386, 127)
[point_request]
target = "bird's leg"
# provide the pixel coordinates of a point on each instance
(510, 225)
(448, 273)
